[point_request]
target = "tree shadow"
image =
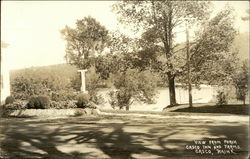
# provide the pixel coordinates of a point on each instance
(36, 139)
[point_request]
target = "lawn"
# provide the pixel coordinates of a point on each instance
(118, 137)
(197, 109)
(239, 109)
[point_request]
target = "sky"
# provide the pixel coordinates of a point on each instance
(32, 28)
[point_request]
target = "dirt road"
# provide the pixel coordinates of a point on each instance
(120, 137)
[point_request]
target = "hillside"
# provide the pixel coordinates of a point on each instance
(63, 71)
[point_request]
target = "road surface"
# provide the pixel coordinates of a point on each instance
(120, 137)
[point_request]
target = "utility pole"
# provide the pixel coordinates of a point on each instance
(188, 68)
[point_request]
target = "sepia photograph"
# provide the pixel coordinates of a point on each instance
(125, 79)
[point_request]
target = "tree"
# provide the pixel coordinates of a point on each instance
(241, 81)
(84, 42)
(212, 59)
(133, 85)
(160, 21)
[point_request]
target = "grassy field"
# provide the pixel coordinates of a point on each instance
(116, 137)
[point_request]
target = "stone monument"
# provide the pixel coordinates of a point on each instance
(83, 83)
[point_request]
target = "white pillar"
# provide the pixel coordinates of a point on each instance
(83, 83)
(5, 78)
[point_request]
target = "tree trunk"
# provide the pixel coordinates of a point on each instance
(127, 108)
(171, 86)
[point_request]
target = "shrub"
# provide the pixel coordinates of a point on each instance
(240, 80)
(133, 85)
(147, 84)
(221, 98)
(56, 105)
(24, 87)
(92, 84)
(83, 100)
(113, 99)
(7, 109)
(4, 111)
(241, 94)
(98, 99)
(63, 104)
(40, 80)
(63, 95)
(124, 98)
(70, 104)
(17, 105)
(9, 100)
(33, 102)
(38, 102)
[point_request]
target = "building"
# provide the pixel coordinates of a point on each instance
(5, 78)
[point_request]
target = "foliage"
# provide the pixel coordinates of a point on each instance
(43, 81)
(158, 21)
(63, 104)
(113, 101)
(9, 100)
(75, 82)
(241, 94)
(211, 57)
(240, 80)
(221, 98)
(103, 66)
(119, 58)
(39, 102)
(84, 42)
(7, 109)
(124, 98)
(146, 60)
(92, 81)
(133, 85)
(63, 95)
(98, 99)
(24, 87)
(5, 112)
(83, 100)
(16, 105)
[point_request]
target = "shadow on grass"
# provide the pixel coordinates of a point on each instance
(229, 109)
(69, 139)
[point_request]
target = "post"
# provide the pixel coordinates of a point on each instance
(83, 83)
(188, 68)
